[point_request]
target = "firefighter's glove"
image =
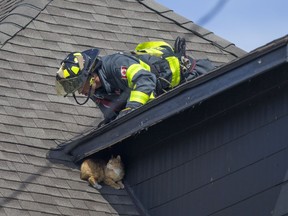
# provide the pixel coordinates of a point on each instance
(124, 112)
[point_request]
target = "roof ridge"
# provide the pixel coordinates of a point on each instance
(21, 14)
(189, 25)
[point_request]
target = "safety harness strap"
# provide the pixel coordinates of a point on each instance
(88, 96)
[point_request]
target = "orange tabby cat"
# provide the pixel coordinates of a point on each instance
(96, 171)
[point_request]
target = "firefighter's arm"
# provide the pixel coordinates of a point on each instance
(142, 84)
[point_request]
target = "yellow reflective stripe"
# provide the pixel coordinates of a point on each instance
(144, 65)
(152, 96)
(75, 69)
(131, 71)
(174, 65)
(152, 51)
(138, 96)
(151, 44)
(65, 73)
(92, 81)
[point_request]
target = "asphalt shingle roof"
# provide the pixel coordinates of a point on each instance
(35, 35)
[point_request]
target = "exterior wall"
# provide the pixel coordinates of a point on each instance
(227, 156)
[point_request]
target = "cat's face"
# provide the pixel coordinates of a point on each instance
(114, 162)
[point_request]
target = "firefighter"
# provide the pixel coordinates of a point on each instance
(122, 82)
(117, 83)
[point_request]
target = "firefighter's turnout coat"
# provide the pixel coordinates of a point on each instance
(130, 80)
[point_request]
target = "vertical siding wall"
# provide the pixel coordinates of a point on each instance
(234, 163)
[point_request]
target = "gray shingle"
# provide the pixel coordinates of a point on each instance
(176, 17)
(18, 16)
(57, 99)
(36, 105)
(8, 145)
(50, 36)
(79, 203)
(66, 47)
(17, 19)
(42, 123)
(80, 212)
(8, 92)
(78, 195)
(101, 10)
(65, 210)
(9, 175)
(20, 103)
(4, 37)
(9, 29)
(60, 183)
(102, 207)
(222, 42)
(65, 193)
(8, 202)
(10, 156)
(28, 168)
(77, 186)
(20, 40)
(43, 52)
(17, 67)
(40, 4)
(158, 7)
(143, 24)
(35, 132)
(8, 56)
(21, 195)
(196, 28)
(63, 202)
(52, 11)
(5, 64)
(31, 206)
(16, 212)
(237, 51)
(43, 17)
(30, 33)
(118, 46)
(60, 29)
(62, 174)
(2, 110)
(26, 10)
(26, 113)
(17, 130)
(67, 39)
(119, 21)
(54, 134)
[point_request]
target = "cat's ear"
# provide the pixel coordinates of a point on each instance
(119, 157)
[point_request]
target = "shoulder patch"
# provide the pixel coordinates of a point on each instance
(123, 72)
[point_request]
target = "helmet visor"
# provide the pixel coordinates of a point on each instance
(69, 85)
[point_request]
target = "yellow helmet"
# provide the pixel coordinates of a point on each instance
(75, 69)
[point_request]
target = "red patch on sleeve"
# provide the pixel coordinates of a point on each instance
(123, 72)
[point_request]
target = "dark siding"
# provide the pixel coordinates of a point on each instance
(227, 156)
